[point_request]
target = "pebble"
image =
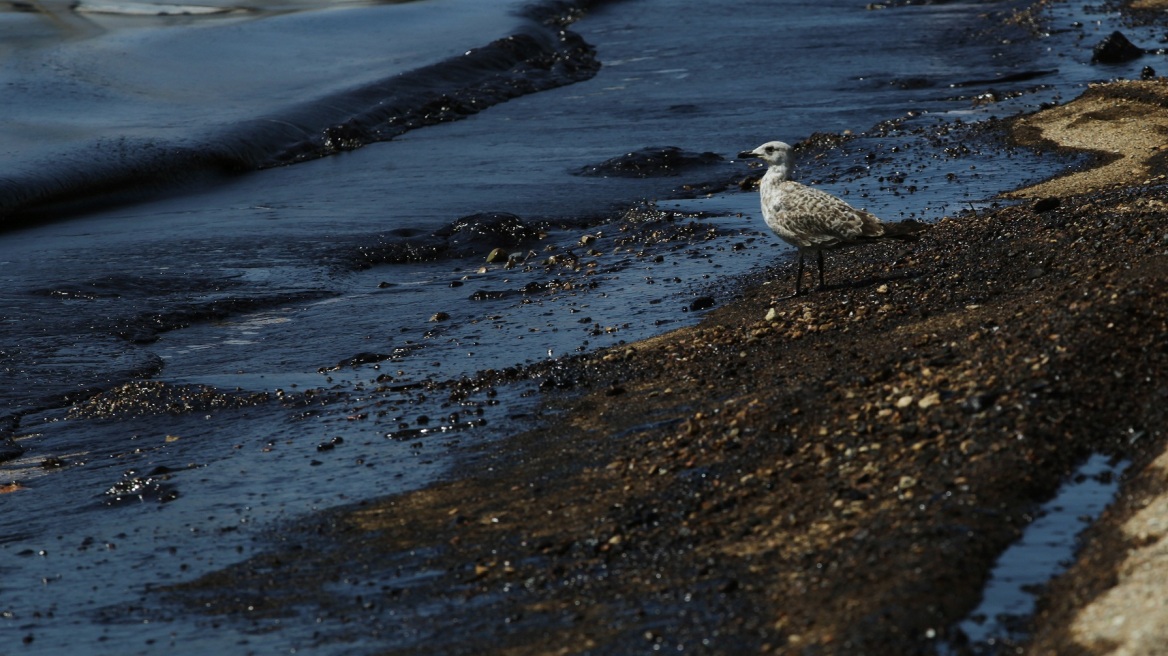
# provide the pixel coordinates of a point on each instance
(931, 399)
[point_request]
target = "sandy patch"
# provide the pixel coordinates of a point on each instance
(1131, 618)
(1124, 124)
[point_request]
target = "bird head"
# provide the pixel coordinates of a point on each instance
(774, 153)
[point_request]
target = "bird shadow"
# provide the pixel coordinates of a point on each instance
(860, 283)
(873, 280)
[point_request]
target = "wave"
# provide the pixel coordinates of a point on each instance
(541, 54)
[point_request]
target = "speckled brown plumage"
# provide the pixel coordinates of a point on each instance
(810, 219)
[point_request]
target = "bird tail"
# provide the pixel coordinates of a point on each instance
(906, 230)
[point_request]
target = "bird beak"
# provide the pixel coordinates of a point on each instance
(747, 154)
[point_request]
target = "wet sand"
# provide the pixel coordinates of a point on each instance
(832, 474)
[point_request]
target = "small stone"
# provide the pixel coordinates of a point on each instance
(931, 399)
(439, 316)
(882, 289)
(904, 401)
(498, 255)
(770, 315)
(906, 482)
(701, 303)
(587, 239)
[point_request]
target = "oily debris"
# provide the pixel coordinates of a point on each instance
(832, 474)
(149, 397)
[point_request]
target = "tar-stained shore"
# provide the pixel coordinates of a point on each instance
(837, 478)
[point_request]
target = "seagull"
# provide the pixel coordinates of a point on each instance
(814, 220)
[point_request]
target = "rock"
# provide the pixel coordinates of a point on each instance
(1046, 204)
(1115, 49)
(701, 303)
(1147, 73)
(651, 162)
(471, 233)
(498, 255)
(439, 316)
(931, 399)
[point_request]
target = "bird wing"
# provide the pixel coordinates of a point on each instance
(816, 219)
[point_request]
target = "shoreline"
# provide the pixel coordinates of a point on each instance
(838, 478)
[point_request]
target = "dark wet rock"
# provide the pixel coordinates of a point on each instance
(751, 181)
(701, 303)
(651, 162)
(1115, 49)
(154, 397)
(439, 316)
(1147, 73)
(1046, 204)
(480, 232)
(473, 235)
(818, 142)
(486, 294)
(401, 250)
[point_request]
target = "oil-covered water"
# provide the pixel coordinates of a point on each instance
(281, 359)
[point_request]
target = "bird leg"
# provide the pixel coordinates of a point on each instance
(799, 275)
(820, 253)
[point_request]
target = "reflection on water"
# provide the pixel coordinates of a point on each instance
(1045, 549)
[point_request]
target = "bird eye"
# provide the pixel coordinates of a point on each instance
(770, 149)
